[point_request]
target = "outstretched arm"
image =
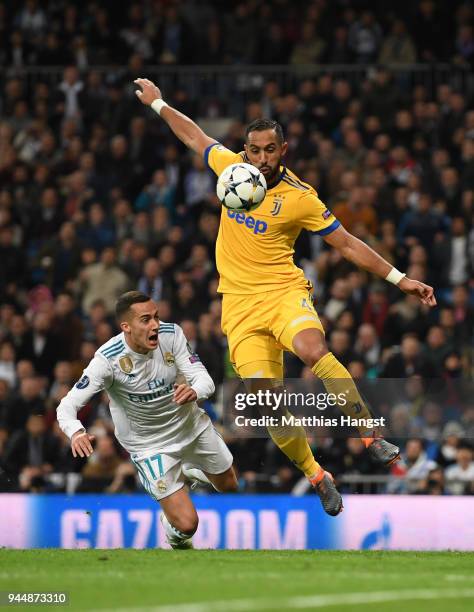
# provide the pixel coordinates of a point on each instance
(183, 127)
(363, 256)
(95, 378)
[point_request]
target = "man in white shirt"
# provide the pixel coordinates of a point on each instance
(460, 476)
(153, 380)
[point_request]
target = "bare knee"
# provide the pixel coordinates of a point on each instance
(230, 484)
(186, 523)
(310, 352)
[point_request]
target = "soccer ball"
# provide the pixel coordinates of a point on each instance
(241, 187)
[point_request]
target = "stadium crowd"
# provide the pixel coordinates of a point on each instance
(98, 197)
(60, 32)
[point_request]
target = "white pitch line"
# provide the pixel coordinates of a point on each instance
(458, 577)
(306, 601)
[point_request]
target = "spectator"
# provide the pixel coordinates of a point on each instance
(368, 345)
(104, 280)
(338, 51)
(404, 317)
(32, 454)
(41, 344)
(339, 300)
(340, 345)
(7, 363)
(98, 231)
(355, 211)
(62, 378)
(48, 219)
(177, 47)
(431, 425)
(4, 394)
(117, 168)
(134, 35)
(151, 282)
(434, 483)
(142, 150)
(209, 348)
(408, 361)
(463, 312)
(32, 20)
(67, 327)
(381, 99)
(186, 304)
(398, 47)
(158, 193)
(27, 401)
(52, 52)
(103, 40)
(102, 466)
(60, 257)
(414, 468)
(437, 346)
(376, 308)
(365, 36)
(465, 45)
(451, 256)
(125, 480)
(273, 45)
(142, 232)
(96, 314)
(461, 474)
(428, 31)
(356, 461)
(310, 47)
(12, 268)
(24, 370)
(400, 424)
(198, 185)
(452, 436)
(66, 464)
(240, 25)
(123, 219)
(70, 94)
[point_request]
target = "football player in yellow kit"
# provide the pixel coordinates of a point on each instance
(267, 305)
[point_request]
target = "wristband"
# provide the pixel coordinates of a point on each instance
(394, 276)
(157, 105)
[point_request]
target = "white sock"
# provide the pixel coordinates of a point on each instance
(174, 535)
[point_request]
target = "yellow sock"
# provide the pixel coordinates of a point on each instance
(292, 441)
(336, 379)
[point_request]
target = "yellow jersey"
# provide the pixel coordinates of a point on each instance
(254, 251)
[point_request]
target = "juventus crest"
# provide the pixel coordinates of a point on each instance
(277, 202)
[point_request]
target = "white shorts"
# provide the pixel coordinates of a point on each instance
(161, 474)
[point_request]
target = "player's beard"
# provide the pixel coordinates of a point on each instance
(272, 177)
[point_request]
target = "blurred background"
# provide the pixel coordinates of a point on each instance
(98, 197)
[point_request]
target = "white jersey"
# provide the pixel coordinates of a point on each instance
(140, 388)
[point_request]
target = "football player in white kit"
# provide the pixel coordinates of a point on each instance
(156, 417)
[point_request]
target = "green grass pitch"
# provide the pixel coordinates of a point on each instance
(243, 581)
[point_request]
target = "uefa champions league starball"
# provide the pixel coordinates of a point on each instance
(241, 187)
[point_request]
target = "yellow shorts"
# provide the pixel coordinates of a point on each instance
(260, 327)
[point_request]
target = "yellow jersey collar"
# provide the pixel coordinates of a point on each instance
(282, 174)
